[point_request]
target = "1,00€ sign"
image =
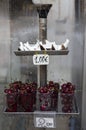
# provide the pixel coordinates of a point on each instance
(41, 59)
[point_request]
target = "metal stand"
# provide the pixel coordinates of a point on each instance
(43, 12)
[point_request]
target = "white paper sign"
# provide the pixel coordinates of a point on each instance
(41, 59)
(44, 122)
(43, 1)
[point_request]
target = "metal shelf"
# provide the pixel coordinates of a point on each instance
(59, 112)
(49, 52)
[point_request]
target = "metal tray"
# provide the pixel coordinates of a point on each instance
(75, 111)
(49, 52)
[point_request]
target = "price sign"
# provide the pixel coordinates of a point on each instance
(45, 119)
(41, 59)
(44, 122)
(43, 1)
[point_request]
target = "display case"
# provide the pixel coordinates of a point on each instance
(26, 95)
(22, 97)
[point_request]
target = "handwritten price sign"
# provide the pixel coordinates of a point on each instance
(41, 59)
(44, 122)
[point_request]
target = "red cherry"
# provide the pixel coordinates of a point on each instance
(42, 107)
(45, 90)
(66, 90)
(6, 90)
(41, 91)
(40, 99)
(56, 85)
(64, 109)
(10, 91)
(73, 87)
(51, 82)
(69, 83)
(69, 111)
(34, 84)
(28, 89)
(67, 108)
(46, 103)
(63, 86)
(64, 101)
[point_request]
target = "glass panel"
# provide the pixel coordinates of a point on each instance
(19, 23)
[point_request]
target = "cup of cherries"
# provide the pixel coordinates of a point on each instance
(11, 96)
(21, 97)
(48, 96)
(67, 97)
(27, 97)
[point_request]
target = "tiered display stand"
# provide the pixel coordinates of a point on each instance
(43, 8)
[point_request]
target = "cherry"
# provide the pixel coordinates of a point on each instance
(46, 103)
(6, 90)
(10, 91)
(28, 89)
(69, 84)
(43, 107)
(56, 85)
(68, 88)
(66, 109)
(51, 82)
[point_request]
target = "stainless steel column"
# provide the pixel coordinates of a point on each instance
(43, 12)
